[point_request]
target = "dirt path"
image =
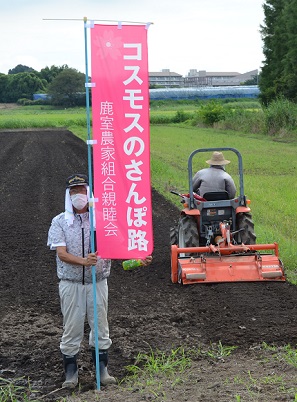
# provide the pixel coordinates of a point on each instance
(8, 105)
(145, 307)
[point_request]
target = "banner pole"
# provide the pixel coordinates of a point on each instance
(91, 208)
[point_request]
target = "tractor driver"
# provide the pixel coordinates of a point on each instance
(214, 178)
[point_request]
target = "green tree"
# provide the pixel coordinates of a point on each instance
(279, 34)
(3, 87)
(274, 38)
(290, 60)
(21, 69)
(49, 73)
(66, 88)
(22, 85)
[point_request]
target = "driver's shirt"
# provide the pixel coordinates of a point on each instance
(213, 178)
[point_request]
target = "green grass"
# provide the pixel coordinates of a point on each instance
(41, 116)
(11, 391)
(159, 362)
(286, 354)
(219, 351)
(151, 371)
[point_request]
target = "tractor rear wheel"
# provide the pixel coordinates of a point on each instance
(184, 235)
(247, 235)
(173, 236)
(187, 232)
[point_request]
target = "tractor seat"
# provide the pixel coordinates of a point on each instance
(216, 195)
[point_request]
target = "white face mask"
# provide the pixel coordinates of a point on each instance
(79, 201)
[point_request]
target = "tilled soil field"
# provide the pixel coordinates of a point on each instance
(145, 309)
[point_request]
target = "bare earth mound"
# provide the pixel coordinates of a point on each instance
(145, 307)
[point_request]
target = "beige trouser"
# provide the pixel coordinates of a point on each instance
(77, 303)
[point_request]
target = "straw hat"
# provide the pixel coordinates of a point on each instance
(218, 159)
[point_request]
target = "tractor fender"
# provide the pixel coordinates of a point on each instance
(192, 212)
(242, 209)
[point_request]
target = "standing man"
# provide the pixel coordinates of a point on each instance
(69, 235)
(214, 178)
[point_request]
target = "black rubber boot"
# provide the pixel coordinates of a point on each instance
(71, 371)
(105, 378)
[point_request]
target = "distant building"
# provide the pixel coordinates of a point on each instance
(195, 78)
(204, 78)
(166, 79)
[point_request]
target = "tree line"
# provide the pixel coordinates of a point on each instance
(279, 34)
(63, 85)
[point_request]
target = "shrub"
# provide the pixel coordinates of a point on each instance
(211, 113)
(24, 101)
(248, 121)
(280, 117)
(161, 119)
(29, 102)
(181, 116)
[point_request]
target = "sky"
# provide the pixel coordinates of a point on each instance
(211, 35)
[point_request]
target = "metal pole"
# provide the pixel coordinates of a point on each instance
(91, 209)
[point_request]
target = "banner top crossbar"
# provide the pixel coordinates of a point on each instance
(85, 19)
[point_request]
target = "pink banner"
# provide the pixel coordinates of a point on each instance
(121, 154)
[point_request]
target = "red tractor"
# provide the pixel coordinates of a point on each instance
(214, 240)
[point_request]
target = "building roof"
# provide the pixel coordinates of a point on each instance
(221, 74)
(164, 74)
